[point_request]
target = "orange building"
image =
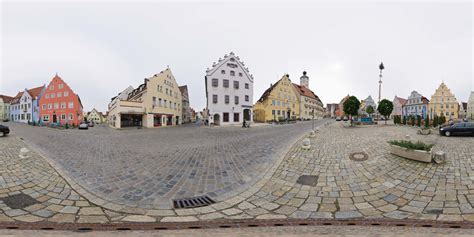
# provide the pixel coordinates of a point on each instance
(340, 110)
(59, 104)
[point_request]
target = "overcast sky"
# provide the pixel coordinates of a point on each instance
(101, 48)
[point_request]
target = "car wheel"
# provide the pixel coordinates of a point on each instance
(447, 133)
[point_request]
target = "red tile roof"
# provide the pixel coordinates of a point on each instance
(34, 92)
(6, 98)
(401, 100)
(17, 98)
(305, 91)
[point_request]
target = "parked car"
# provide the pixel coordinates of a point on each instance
(457, 129)
(91, 124)
(338, 118)
(6, 120)
(83, 125)
(4, 130)
(465, 120)
(345, 118)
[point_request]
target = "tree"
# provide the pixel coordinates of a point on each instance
(385, 108)
(418, 120)
(412, 120)
(370, 110)
(351, 106)
(404, 120)
(427, 121)
(435, 120)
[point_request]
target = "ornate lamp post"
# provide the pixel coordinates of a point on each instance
(381, 67)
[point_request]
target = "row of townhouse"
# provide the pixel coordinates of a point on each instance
(160, 101)
(443, 103)
(54, 103)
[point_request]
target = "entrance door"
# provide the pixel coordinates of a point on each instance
(217, 119)
(247, 114)
(177, 120)
(288, 114)
(54, 119)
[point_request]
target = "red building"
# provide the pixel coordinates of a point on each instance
(59, 104)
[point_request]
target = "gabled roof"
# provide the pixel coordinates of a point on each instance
(34, 92)
(401, 100)
(304, 91)
(270, 89)
(17, 98)
(6, 98)
(184, 92)
(425, 100)
(227, 58)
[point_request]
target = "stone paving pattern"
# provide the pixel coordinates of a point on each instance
(384, 186)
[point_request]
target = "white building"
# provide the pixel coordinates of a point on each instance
(416, 105)
(470, 107)
(229, 91)
(369, 101)
(111, 119)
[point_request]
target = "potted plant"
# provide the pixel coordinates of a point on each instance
(415, 151)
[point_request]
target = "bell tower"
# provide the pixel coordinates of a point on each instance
(304, 80)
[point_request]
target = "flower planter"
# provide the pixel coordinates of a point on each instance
(424, 131)
(419, 155)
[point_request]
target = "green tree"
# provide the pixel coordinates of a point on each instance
(404, 120)
(370, 110)
(442, 119)
(435, 120)
(385, 108)
(412, 120)
(351, 106)
(427, 121)
(418, 120)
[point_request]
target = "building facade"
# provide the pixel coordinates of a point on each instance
(186, 113)
(229, 91)
(415, 105)
(470, 106)
(463, 110)
(155, 103)
(398, 104)
(95, 116)
(331, 110)
(25, 105)
(279, 102)
(309, 101)
(5, 107)
(123, 95)
(369, 101)
(443, 102)
(60, 105)
(340, 110)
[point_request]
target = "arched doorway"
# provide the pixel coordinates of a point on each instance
(217, 119)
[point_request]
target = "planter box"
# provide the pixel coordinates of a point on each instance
(423, 156)
(424, 131)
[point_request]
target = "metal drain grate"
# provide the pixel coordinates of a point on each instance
(192, 202)
(18, 201)
(359, 156)
(310, 180)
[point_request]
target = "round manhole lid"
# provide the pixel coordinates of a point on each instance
(359, 156)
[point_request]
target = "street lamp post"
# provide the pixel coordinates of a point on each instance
(313, 119)
(381, 67)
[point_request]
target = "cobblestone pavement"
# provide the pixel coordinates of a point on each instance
(147, 168)
(300, 231)
(383, 186)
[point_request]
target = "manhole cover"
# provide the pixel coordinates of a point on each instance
(192, 202)
(359, 156)
(18, 201)
(310, 180)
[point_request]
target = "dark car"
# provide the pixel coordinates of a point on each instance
(457, 129)
(4, 130)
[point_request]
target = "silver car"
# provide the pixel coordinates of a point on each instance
(83, 126)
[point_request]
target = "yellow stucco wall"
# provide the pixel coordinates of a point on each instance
(443, 102)
(275, 106)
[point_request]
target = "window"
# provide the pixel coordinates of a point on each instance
(166, 104)
(71, 116)
(240, 74)
(278, 103)
(222, 71)
(214, 99)
(63, 105)
(174, 105)
(247, 98)
(70, 105)
(236, 100)
(52, 95)
(236, 85)
(273, 102)
(226, 83)
(51, 87)
(226, 99)
(63, 116)
(47, 96)
(160, 102)
(170, 104)
(166, 90)
(236, 117)
(246, 85)
(232, 73)
(44, 106)
(59, 94)
(22, 116)
(66, 94)
(447, 113)
(215, 82)
(45, 117)
(278, 112)
(29, 106)
(60, 86)
(226, 117)
(154, 101)
(56, 106)
(50, 106)
(273, 112)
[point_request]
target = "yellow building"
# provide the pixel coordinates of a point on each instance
(443, 102)
(5, 107)
(279, 102)
(155, 103)
(95, 116)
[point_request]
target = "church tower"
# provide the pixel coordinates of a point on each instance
(304, 80)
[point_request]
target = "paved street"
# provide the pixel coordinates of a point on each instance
(383, 186)
(147, 168)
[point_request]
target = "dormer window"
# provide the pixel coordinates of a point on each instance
(232, 73)
(222, 71)
(240, 74)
